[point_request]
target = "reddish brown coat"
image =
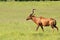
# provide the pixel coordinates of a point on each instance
(42, 21)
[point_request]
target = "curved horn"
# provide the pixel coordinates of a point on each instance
(33, 11)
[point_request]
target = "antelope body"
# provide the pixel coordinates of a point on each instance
(41, 21)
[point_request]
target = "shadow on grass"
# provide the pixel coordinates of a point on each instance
(22, 34)
(38, 34)
(41, 34)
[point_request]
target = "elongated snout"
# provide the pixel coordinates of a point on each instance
(27, 19)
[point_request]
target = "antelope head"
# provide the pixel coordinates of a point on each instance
(31, 15)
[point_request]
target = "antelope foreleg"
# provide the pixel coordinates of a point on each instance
(42, 28)
(37, 28)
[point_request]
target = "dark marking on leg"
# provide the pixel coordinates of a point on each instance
(56, 27)
(42, 28)
(37, 28)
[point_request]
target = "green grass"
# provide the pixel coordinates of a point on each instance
(13, 24)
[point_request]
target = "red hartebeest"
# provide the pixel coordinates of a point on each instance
(41, 21)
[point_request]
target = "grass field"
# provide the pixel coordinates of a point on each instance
(13, 24)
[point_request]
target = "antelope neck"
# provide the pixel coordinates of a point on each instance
(34, 19)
